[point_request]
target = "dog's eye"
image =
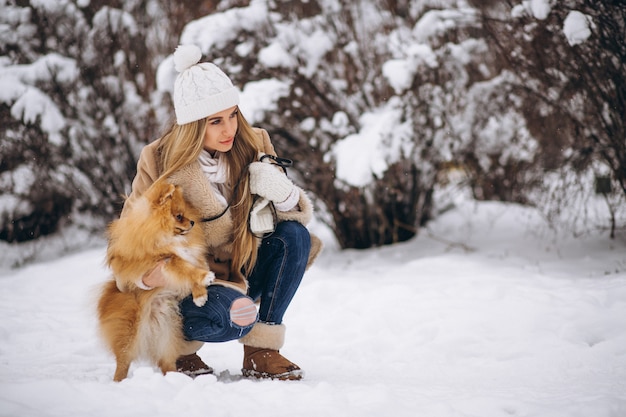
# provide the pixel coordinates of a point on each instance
(179, 217)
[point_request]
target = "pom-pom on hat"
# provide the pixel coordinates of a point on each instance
(200, 89)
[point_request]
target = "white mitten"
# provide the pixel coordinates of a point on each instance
(270, 182)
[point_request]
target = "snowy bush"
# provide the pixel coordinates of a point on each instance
(74, 110)
(569, 61)
(378, 102)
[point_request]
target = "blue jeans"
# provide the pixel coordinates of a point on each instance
(281, 262)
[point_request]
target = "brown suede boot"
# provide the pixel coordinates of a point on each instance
(268, 363)
(192, 365)
(261, 356)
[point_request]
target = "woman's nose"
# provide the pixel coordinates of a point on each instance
(230, 127)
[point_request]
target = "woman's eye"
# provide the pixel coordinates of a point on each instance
(234, 114)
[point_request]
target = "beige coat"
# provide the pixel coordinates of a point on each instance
(199, 192)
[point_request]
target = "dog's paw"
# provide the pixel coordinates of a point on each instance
(208, 278)
(200, 301)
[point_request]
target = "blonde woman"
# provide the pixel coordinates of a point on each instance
(254, 220)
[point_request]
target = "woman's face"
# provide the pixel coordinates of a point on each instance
(220, 130)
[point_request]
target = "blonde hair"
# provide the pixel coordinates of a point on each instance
(182, 145)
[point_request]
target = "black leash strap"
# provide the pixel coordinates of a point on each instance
(230, 203)
(217, 216)
(284, 163)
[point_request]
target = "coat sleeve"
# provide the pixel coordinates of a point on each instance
(147, 173)
(264, 142)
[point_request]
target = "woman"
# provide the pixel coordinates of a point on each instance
(254, 219)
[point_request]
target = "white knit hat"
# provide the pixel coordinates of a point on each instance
(201, 89)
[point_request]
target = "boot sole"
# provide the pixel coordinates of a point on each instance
(197, 372)
(194, 374)
(286, 376)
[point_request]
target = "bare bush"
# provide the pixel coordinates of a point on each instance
(569, 63)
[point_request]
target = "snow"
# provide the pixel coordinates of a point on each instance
(366, 155)
(166, 75)
(477, 316)
(217, 30)
(576, 27)
(400, 72)
(118, 21)
(275, 56)
(508, 136)
(259, 97)
(436, 22)
(30, 104)
(314, 47)
(34, 104)
(539, 9)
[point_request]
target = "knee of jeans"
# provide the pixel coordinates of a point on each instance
(295, 233)
(243, 312)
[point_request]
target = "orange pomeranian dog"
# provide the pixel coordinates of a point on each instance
(138, 323)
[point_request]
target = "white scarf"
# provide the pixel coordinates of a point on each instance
(215, 170)
(214, 167)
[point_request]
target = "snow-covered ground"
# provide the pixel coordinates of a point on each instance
(475, 317)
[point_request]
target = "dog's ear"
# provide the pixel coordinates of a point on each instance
(178, 193)
(166, 193)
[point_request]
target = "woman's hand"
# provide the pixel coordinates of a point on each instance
(269, 182)
(155, 277)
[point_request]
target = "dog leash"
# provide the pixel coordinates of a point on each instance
(230, 203)
(284, 163)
